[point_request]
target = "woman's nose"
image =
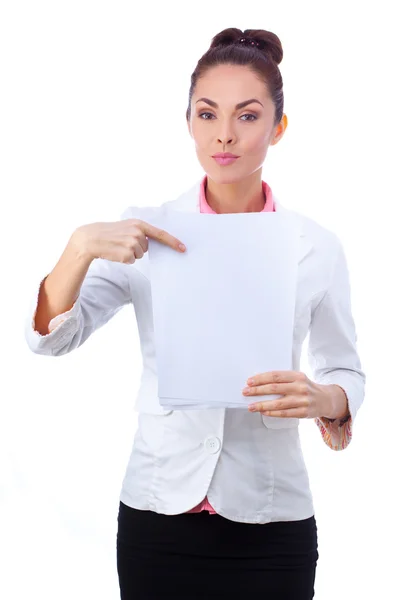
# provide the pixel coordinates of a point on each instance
(226, 136)
(226, 133)
(225, 140)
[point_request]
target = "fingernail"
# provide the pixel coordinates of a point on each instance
(246, 391)
(252, 407)
(182, 247)
(250, 381)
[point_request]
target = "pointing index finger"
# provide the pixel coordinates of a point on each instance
(160, 235)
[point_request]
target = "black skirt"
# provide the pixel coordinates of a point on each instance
(199, 555)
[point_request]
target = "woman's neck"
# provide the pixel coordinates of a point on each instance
(239, 197)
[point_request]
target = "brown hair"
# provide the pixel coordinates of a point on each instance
(263, 57)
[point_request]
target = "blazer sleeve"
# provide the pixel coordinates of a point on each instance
(104, 291)
(332, 351)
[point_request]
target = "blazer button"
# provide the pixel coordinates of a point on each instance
(212, 444)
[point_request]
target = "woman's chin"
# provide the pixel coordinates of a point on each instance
(224, 175)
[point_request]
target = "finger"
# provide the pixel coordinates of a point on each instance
(290, 413)
(138, 250)
(271, 388)
(143, 241)
(276, 377)
(162, 236)
(281, 404)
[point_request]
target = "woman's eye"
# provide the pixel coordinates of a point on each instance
(205, 113)
(253, 117)
(201, 115)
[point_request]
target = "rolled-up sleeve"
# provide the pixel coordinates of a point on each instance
(332, 351)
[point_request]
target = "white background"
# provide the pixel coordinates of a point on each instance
(93, 99)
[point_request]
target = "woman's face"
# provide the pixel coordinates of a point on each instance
(219, 126)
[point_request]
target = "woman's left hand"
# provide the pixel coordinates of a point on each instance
(300, 397)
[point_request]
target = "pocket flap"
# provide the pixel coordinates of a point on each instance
(279, 422)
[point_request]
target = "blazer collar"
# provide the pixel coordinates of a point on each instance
(189, 201)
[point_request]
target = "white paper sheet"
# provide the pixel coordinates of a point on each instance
(224, 310)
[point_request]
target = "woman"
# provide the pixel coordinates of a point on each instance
(217, 502)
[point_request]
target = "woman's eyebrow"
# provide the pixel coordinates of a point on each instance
(237, 107)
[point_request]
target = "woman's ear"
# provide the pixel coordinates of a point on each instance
(280, 130)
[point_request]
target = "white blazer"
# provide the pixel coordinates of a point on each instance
(250, 466)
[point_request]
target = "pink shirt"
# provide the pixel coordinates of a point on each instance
(335, 433)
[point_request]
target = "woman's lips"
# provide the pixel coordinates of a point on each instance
(225, 161)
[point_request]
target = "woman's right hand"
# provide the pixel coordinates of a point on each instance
(120, 241)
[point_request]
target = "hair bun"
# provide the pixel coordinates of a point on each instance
(265, 41)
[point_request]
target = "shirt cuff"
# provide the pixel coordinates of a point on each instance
(336, 433)
(59, 319)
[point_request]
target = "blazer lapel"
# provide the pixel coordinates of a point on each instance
(305, 244)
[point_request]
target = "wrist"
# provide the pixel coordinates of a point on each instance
(80, 247)
(336, 404)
